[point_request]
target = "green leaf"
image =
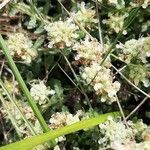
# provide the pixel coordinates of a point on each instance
(58, 97)
(38, 42)
(30, 143)
(48, 61)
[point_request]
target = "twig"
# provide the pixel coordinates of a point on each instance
(74, 19)
(131, 83)
(99, 25)
(123, 116)
(81, 87)
(3, 127)
(137, 107)
(119, 70)
(48, 73)
(1, 69)
(69, 78)
(4, 3)
(122, 113)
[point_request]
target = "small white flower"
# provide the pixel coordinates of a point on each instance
(72, 119)
(61, 33)
(56, 147)
(20, 46)
(103, 99)
(114, 133)
(116, 21)
(97, 86)
(52, 92)
(146, 82)
(102, 81)
(40, 92)
(61, 119)
(85, 16)
(89, 49)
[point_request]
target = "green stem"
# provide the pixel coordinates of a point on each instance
(17, 107)
(11, 117)
(22, 85)
(81, 87)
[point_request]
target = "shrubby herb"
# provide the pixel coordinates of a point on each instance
(79, 59)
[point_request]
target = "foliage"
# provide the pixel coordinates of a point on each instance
(65, 62)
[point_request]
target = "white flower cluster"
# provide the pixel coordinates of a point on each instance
(85, 16)
(20, 47)
(139, 73)
(102, 81)
(91, 52)
(12, 87)
(118, 4)
(116, 21)
(61, 119)
(131, 145)
(133, 48)
(136, 53)
(145, 26)
(139, 128)
(42, 147)
(143, 3)
(40, 92)
(61, 33)
(117, 136)
(28, 113)
(88, 49)
(114, 132)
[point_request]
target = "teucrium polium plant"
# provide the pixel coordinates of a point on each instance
(74, 75)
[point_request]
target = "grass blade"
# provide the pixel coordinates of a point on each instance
(12, 119)
(29, 143)
(17, 107)
(22, 85)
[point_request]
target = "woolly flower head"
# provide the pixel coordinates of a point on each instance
(130, 145)
(20, 47)
(61, 119)
(89, 50)
(114, 132)
(40, 92)
(116, 21)
(143, 3)
(85, 16)
(102, 81)
(139, 49)
(12, 87)
(117, 136)
(27, 112)
(118, 4)
(146, 3)
(61, 33)
(139, 73)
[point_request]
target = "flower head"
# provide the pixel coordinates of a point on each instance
(139, 49)
(102, 81)
(61, 119)
(20, 47)
(61, 33)
(90, 50)
(116, 21)
(40, 92)
(85, 16)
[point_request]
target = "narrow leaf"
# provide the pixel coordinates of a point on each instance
(30, 143)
